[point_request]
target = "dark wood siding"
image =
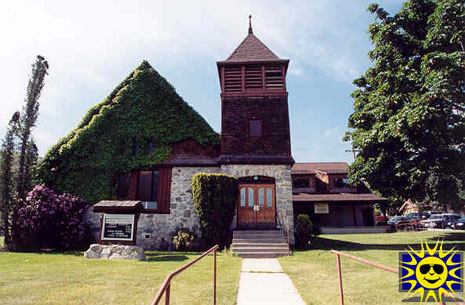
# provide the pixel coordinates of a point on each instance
(164, 190)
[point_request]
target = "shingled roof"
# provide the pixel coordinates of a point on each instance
(324, 167)
(252, 49)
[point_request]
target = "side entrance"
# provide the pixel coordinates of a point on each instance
(256, 206)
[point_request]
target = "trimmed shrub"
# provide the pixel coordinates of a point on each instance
(303, 230)
(47, 220)
(183, 239)
(215, 200)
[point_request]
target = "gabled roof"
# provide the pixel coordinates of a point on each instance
(252, 49)
(323, 167)
(348, 197)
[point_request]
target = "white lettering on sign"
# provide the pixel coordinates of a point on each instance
(321, 208)
(118, 227)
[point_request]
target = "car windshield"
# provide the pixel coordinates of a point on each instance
(462, 219)
(397, 218)
(436, 217)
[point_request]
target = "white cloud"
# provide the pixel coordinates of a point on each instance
(93, 45)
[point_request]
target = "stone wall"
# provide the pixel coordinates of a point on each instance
(155, 231)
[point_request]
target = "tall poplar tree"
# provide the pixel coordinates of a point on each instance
(6, 176)
(28, 121)
(408, 122)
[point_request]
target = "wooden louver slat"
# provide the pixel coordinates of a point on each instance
(253, 77)
(274, 78)
(233, 79)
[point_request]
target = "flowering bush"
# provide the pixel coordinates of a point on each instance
(52, 221)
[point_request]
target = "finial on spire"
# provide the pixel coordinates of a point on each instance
(250, 24)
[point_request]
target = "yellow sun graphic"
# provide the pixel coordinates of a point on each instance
(432, 274)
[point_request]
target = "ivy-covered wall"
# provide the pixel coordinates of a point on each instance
(133, 128)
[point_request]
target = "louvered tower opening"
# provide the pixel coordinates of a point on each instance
(274, 77)
(253, 77)
(233, 79)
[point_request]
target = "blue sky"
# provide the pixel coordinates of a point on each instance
(92, 46)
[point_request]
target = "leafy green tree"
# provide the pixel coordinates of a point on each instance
(408, 122)
(6, 176)
(28, 121)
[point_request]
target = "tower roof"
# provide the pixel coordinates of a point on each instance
(251, 49)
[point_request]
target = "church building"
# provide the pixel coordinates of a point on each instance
(143, 142)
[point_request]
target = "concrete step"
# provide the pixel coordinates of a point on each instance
(260, 249)
(260, 240)
(259, 243)
(257, 233)
(261, 255)
(268, 245)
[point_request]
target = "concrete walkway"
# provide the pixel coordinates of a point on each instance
(264, 282)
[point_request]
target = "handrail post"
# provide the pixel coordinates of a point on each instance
(339, 271)
(214, 277)
(167, 294)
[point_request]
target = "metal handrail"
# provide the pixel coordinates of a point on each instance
(166, 286)
(358, 259)
(285, 228)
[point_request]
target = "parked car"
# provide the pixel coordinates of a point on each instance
(418, 216)
(396, 220)
(440, 220)
(459, 224)
(381, 220)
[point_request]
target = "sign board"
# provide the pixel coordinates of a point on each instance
(118, 227)
(321, 208)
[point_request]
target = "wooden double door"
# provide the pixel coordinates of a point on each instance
(256, 206)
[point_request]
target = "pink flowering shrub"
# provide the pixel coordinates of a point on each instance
(47, 220)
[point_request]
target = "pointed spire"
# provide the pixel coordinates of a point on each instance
(250, 24)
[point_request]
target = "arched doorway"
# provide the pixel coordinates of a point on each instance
(257, 203)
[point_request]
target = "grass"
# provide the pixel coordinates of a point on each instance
(68, 278)
(315, 275)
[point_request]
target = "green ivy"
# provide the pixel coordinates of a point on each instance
(143, 111)
(215, 201)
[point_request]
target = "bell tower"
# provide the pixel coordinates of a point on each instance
(254, 105)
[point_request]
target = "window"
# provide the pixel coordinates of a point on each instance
(153, 189)
(255, 128)
(151, 147)
(122, 186)
(341, 182)
(301, 183)
(147, 189)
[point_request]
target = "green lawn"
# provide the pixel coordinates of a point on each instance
(315, 276)
(68, 278)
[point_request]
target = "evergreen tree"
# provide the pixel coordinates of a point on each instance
(408, 122)
(6, 168)
(28, 121)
